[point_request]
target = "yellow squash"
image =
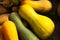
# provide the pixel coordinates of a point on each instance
(32, 0)
(39, 5)
(41, 25)
(9, 31)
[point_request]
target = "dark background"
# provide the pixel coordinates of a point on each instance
(53, 15)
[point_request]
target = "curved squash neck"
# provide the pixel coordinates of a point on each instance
(28, 10)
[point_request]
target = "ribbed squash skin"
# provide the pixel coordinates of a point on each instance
(9, 31)
(41, 25)
(24, 33)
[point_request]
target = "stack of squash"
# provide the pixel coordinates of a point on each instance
(40, 26)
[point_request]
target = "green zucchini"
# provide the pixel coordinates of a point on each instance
(24, 32)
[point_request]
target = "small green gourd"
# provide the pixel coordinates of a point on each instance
(23, 32)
